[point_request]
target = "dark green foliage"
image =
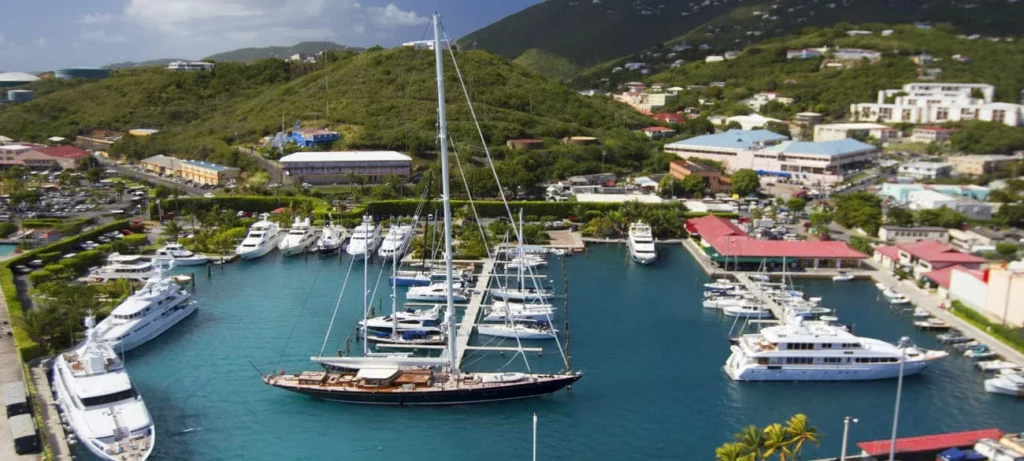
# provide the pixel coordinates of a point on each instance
(899, 216)
(941, 217)
(745, 182)
(796, 204)
(1007, 250)
(859, 210)
(987, 138)
(547, 64)
(1008, 335)
(1011, 214)
(7, 228)
(777, 127)
(861, 244)
(276, 52)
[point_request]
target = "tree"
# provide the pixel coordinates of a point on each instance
(37, 324)
(732, 452)
(745, 182)
(777, 127)
(694, 186)
(1006, 250)
(796, 204)
(859, 210)
(1011, 215)
(119, 190)
(669, 187)
(819, 222)
(899, 216)
(25, 196)
(751, 439)
(777, 442)
(733, 125)
(941, 217)
(257, 180)
(799, 431)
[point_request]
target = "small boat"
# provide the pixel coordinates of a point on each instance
(181, 279)
(932, 324)
(558, 251)
(181, 256)
(721, 285)
(760, 277)
(899, 300)
(407, 338)
(522, 330)
(298, 239)
(996, 365)
(410, 279)
(128, 267)
(500, 311)
(964, 347)
(747, 311)
(525, 262)
(725, 301)
(920, 313)
(332, 236)
(437, 292)
(881, 286)
(890, 293)
(842, 276)
(981, 352)
(1009, 383)
(952, 338)
(513, 294)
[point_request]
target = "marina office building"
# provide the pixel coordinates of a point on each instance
(773, 155)
(343, 167)
(994, 292)
(726, 243)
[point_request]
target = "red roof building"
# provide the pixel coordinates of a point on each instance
(667, 118)
(64, 152)
(929, 444)
(724, 240)
(925, 256)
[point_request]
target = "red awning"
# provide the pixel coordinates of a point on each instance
(935, 442)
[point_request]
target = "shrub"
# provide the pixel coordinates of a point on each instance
(49, 257)
(135, 241)
(7, 228)
(1008, 335)
(530, 218)
(38, 277)
(29, 348)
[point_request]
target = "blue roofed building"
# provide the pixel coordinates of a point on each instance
(773, 156)
(312, 138)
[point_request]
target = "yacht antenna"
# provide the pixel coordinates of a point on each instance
(442, 135)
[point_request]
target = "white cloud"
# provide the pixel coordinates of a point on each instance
(97, 18)
(40, 43)
(101, 35)
(392, 16)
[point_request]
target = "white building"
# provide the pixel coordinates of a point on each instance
(939, 103)
(424, 44)
(190, 65)
(758, 100)
(925, 170)
(714, 58)
(833, 131)
(749, 122)
(930, 134)
(342, 167)
(645, 102)
(912, 234)
(932, 200)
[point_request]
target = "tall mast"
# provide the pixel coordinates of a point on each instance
(394, 297)
(366, 286)
(442, 136)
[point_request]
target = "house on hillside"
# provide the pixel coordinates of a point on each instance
(658, 132)
(667, 118)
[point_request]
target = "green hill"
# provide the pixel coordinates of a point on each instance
(377, 99)
(547, 64)
(149, 63)
(279, 52)
(764, 67)
(588, 33)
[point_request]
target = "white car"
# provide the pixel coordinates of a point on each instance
(209, 195)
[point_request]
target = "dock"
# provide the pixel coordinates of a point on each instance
(752, 287)
(472, 312)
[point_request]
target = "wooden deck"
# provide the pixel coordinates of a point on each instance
(472, 312)
(752, 287)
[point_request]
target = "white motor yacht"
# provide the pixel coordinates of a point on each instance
(146, 314)
(365, 239)
(526, 262)
(747, 311)
(179, 255)
(502, 311)
(436, 292)
(920, 313)
(396, 242)
(720, 302)
(522, 330)
(332, 236)
(641, 244)
(99, 403)
(842, 276)
(298, 239)
(1006, 382)
(515, 294)
(820, 352)
(126, 267)
(408, 319)
(899, 300)
(263, 237)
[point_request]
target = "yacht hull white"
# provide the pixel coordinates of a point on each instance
(263, 237)
(819, 373)
(641, 244)
(522, 332)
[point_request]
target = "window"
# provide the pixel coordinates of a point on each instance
(942, 113)
(998, 115)
(967, 114)
(865, 111)
(906, 115)
(885, 112)
(109, 398)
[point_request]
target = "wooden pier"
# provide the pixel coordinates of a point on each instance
(472, 312)
(752, 287)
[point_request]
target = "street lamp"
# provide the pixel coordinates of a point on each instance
(903, 344)
(1009, 286)
(846, 432)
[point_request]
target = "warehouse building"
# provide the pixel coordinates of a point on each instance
(8, 79)
(94, 73)
(343, 167)
(207, 173)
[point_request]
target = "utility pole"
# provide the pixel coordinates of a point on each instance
(846, 433)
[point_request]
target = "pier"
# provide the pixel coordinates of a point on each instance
(472, 312)
(752, 287)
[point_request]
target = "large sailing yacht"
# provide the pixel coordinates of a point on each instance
(99, 402)
(405, 380)
(263, 237)
(818, 352)
(365, 239)
(641, 244)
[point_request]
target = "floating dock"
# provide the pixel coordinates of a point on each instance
(752, 287)
(472, 312)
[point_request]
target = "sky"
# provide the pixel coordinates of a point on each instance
(43, 35)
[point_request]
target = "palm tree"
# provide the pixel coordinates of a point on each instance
(752, 440)
(732, 452)
(172, 229)
(777, 442)
(632, 210)
(37, 323)
(119, 190)
(799, 432)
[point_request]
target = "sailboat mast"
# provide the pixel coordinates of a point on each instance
(394, 295)
(442, 136)
(366, 286)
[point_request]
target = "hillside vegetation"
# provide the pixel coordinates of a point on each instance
(377, 99)
(764, 67)
(590, 33)
(547, 64)
(279, 52)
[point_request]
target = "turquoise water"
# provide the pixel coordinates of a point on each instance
(653, 388)
(7, 249)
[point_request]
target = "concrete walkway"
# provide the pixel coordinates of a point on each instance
(10, 371)
(54, 431)
(930, 302)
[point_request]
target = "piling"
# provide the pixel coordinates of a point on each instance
(209, 269)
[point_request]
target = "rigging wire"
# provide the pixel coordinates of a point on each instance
(305, 302)
(501, 191)
(336, 306)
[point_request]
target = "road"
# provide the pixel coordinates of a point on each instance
(124, 170)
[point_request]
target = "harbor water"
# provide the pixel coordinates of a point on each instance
(653, 386)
